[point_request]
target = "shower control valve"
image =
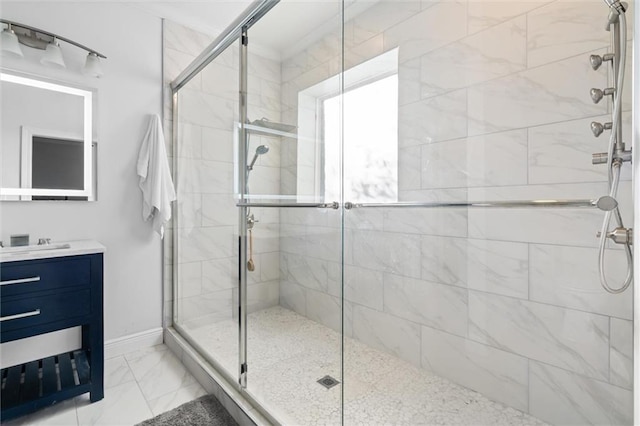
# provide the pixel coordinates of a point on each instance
(598, 94)
(600, 158)
(597, 60)
(619, 157)
(599, 128)
(251, 220)
(620, 235)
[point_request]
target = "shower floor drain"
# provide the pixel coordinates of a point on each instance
(328, 382)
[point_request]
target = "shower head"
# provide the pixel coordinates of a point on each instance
(606, 203)
(262, 149)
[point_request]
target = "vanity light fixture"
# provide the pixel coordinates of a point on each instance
(15, 34)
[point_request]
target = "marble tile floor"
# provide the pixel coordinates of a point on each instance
(288, 353)
(138, 386)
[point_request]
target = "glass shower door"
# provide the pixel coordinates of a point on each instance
(206, 260)
(294, 232)
(471, 268)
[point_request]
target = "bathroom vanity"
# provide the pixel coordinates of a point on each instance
(45, 289)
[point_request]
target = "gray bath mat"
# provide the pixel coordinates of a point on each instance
(205, 410)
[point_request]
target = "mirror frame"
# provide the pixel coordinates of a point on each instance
(87, 95)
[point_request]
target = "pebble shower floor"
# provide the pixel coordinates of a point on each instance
(289, 353)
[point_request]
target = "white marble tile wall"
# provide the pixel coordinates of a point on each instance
(444, 260)
(575, 340)
(535, 96)
(566, 398)
(559, 30)
(568, 276)
(387, 332)
(433, 119)
(485, 14)
(439, 306)
(621, 357)
(496, 159)
(424, 221)
(362, 286)
(447, 22)
(181, 46)
(498, 267)
(493, 105)
(207, 218)
(500, 375)
(475, 59)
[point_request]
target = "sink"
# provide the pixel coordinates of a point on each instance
(27, 249)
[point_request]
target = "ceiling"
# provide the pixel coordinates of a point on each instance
(285, 30)
(210, 16)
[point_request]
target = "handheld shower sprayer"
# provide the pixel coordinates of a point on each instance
(251, 220)
(262, 149)
(616, 6)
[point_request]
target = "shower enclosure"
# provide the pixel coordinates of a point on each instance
(388, 211)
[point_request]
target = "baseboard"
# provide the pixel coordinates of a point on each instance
(132, 342)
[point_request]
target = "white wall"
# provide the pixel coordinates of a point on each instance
(130, 89)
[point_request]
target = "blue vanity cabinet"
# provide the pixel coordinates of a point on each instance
(45, 295)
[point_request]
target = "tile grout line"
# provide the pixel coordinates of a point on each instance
(75, 406)
(138, 383)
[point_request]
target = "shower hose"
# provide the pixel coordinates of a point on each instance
(614, 166)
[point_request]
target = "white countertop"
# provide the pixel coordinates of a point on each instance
(76, 248)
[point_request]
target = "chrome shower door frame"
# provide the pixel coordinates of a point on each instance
(243, 211)
(636, 219)
(237, 30)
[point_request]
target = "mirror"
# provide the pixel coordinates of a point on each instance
(47, 150)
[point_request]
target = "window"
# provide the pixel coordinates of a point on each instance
(370, 142)
(368, 121)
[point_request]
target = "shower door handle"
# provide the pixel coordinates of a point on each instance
(333, 205)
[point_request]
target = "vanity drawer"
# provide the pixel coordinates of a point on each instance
(39, 275)
(43, 308)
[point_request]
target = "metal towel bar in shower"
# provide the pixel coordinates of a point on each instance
(605, 203)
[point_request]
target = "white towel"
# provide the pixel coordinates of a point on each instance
(155, 177)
